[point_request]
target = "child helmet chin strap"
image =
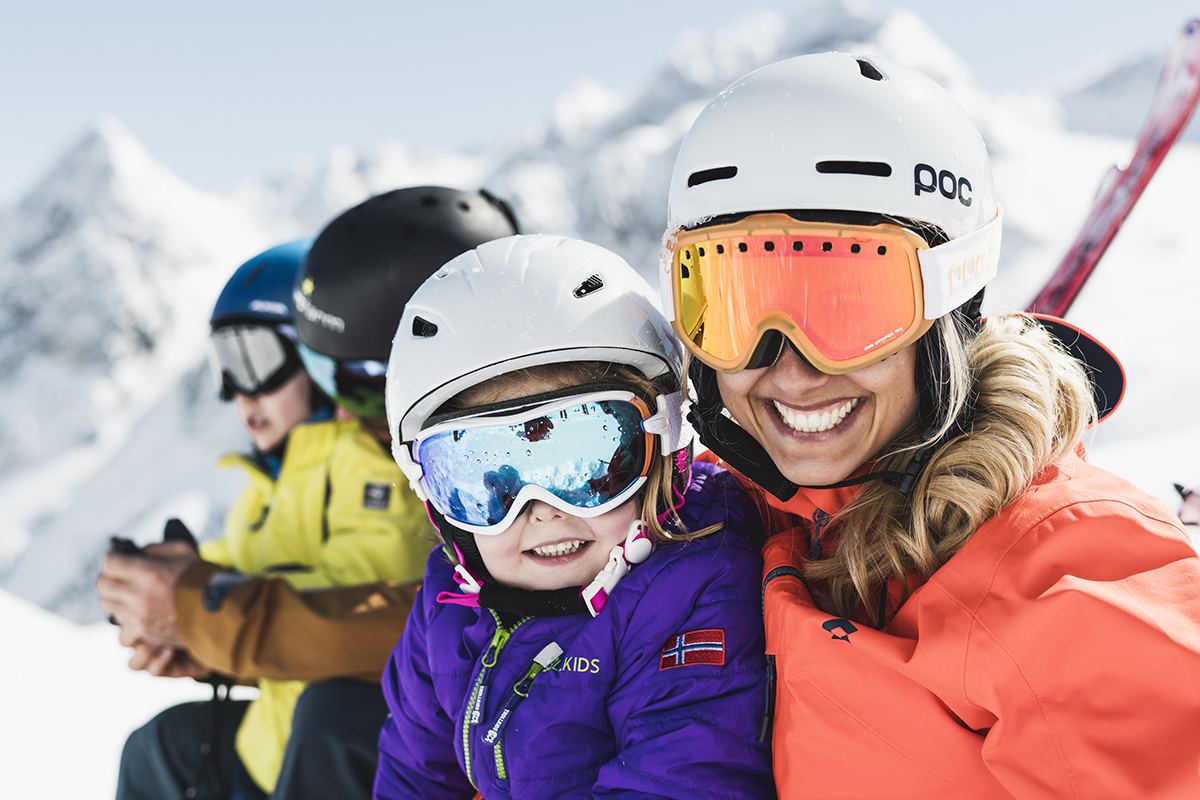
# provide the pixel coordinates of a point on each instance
(637, 548)
(592, 598)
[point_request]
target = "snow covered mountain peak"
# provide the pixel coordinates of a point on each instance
(107, 173)
(101, 266)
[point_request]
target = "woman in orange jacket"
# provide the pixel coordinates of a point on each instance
(957, 603)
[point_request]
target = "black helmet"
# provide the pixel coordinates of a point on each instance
(363, 268)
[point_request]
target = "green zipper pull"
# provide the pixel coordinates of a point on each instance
(545, 657)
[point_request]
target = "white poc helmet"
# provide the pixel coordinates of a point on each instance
(835, 131)
(514, 303)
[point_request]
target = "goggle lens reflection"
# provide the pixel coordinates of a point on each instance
(590, 455)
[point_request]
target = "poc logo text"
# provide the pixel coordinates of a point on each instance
(969, 268)
(928, 179)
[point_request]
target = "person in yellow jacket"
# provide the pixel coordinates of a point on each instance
(321, 511)
(325, 506)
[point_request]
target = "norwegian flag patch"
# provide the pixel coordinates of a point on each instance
(705, 646)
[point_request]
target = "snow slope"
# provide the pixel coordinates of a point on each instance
(109, 267)
(69, 702)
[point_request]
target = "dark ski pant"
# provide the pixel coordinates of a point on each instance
(331, 752)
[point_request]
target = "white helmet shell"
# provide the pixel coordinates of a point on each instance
(519, 302)
(835, 131)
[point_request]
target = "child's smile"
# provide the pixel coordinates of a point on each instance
(550, 549)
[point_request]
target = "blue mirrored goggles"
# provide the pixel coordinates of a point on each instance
(357, 386)
(584, 455)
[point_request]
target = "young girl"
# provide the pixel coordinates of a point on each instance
(592, 624)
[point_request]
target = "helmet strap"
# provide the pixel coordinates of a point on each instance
(729, 440)
(479, 589)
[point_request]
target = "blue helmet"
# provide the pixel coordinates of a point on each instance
(252, 347)
(260, 291)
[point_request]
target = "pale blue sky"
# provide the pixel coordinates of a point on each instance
(224, 91)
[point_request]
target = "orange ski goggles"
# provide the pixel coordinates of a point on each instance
(846, 296)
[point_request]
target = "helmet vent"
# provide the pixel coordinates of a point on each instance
(875, 168)
(423, 328)
(427, 201)
(868, 70)
(706, 175)
(593, 284)
(253, 274)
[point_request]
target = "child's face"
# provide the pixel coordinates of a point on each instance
(545, 548)
(269, 417)
(550, 549)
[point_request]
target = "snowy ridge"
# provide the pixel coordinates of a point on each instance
(110, 424)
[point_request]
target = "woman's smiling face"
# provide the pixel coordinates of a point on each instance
(819, 428)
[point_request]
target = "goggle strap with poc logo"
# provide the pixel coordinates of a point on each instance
(954, 272)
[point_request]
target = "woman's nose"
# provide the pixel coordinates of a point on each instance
(793, 372)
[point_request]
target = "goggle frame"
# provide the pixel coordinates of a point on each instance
(654, 424)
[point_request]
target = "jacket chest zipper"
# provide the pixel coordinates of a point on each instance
(520, 690)
(820, 520)
(475, 704)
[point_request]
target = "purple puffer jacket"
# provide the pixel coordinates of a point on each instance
(661, 695)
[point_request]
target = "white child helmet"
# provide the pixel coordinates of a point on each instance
(516, 303)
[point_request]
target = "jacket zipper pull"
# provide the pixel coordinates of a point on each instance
(820, 518)
(545, 657)
(499, 639)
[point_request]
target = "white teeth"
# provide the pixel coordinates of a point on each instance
(815, 423)
(561, 549)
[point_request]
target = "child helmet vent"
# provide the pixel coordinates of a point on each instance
(424, 328)
(869, 71)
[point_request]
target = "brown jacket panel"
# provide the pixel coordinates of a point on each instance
(350, 631)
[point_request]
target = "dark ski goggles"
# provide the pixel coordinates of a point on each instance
(356, 386)
(250, 360)
(585, 455)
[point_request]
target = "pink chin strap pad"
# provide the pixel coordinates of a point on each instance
(468, 583)
(452, 598)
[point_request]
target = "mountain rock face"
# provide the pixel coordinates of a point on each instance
(108, 269)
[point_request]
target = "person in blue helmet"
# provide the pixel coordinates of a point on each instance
(324, 507)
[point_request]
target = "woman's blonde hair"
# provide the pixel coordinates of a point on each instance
(658, 495)
(1030, 404)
